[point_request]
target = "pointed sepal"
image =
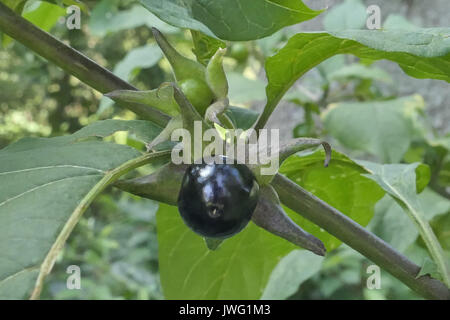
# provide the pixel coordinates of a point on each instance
(162, 185)
(215, 75)
(183, 68)
(160, 98)
(213, 243)
(192, 122)
(175, 123)
(216, 114)
(270, 216)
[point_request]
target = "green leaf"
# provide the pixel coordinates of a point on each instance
(444, 174)
(443, 141)
(36, 171)
(399, 181)
(331, 65)
(422, 53)
(106, 18)
(395, 227)
(360, 71)
(392, 225)
(342, 185)
(238, 269)
(395, 21)
(383, 128)
(437, 206)
(241, 117)
(205, 46)
(294, 269)
(351, 14)
(269, 45)
(144, 131)
(45, 185)
(243, 89)
(429, 268)
(441, 227)
(235, 20)
(16, 5)
(421, 43)
(136, 59)
(78, 3)
(44, 15)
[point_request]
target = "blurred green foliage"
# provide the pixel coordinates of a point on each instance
(115, 247)
(115, 243)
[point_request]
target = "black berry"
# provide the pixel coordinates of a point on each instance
(217, 200)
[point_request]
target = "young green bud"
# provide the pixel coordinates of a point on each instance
(239, 51)
(198, 93)
(189, 74)
(215, 75)
(183, 68)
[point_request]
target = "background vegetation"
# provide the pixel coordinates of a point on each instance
(353, 103)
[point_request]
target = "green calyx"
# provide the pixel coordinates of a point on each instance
(164, 185)
(161, 98)
(189, 74)
(183, 68)
(190, 119)
(175, 123)
(270, 215)
(216, 114)
(215, 75)
(212, 243)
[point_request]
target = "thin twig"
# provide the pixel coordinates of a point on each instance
(72, 61)
(351, 233)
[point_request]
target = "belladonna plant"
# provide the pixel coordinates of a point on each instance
(233, 193)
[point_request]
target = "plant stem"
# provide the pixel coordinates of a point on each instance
(109, 178)
(290, 194)
(266, 113)
(351, 233)
(72, 61)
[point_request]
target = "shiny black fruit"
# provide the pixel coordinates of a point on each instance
(218, 200)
